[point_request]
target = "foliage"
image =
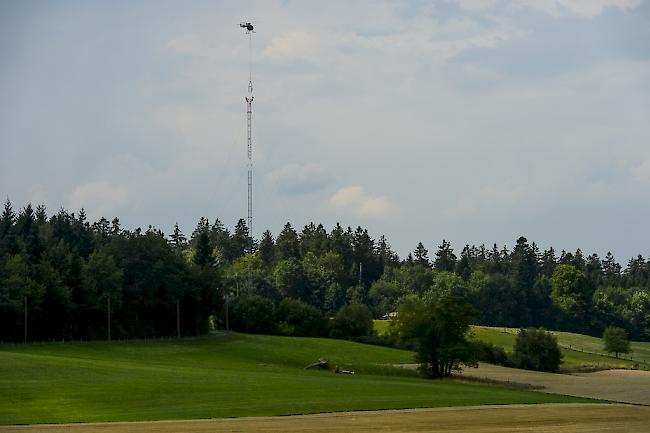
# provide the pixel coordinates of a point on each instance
(569, 291)
(578, 350)
(536, 349)
(384, 295)
(69, 264)
(301, 320)
(352, 320)
(488, 352)
(615, 340)
(253, 314)
(441, 329)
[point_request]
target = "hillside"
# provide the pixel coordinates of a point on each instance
(229, 376)
(578, 350)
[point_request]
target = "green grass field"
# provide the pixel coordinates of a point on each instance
(231, 376)
(578, 350)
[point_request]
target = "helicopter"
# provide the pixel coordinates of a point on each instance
(247, 26)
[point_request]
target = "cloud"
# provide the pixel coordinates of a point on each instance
(584, 8)
(296, 44)
(642, 172)
(355, 200)
(298, 179)
(99, 198)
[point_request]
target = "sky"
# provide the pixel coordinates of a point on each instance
(475, 121)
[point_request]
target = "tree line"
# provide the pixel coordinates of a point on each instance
(61, 275)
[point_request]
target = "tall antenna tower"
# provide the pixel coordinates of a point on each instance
(249, 124)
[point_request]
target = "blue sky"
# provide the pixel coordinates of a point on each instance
(473, 121)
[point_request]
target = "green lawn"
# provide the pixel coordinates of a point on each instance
(578, 350)
(236, 375)
(381, 326)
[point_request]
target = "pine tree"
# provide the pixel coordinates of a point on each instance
(221, 239)
(421, 255)
(340, 242)
(445, 258)
(313, 239)
(548, 262)
(287, 245)
(177, 238)
(203, 254)
(7, 236)
(240, 239)
(387, 256)
(463, 265)
(266, 249)
(611, 271)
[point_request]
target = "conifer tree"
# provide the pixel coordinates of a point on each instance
(445, 258)
(421, 255)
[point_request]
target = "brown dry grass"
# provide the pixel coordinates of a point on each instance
(565, 418)
(626, 386)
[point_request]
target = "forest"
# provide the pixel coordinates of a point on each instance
(63, 277)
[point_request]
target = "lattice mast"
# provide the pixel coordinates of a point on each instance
(249, 125)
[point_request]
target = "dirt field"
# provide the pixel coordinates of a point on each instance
(566, 418)
(625, 386)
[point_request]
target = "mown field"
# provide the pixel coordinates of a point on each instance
(232, 376)
(578, 350)
(539, 418)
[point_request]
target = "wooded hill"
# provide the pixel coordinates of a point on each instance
(66, 270)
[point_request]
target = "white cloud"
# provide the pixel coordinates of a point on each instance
(585, 8)
(186, 44)
(355, 200)
(296, 44)
(99, 199)
(346, 197)
(416, 101)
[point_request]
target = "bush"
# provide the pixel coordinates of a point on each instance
(616, 340)
(488, 352)
(536, 349)
(300, 319)
(253, 314)
(353, 320)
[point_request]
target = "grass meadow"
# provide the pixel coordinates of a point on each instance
(231, 376)
(578, 350)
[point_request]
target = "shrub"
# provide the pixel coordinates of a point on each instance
(353, 320)
(253, 314)
(488, 352)
(616, 340)
(300, 319)
(440, 329)
(536, 349)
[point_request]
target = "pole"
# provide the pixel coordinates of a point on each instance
(249, 124)
(360, 272)
(178, 318)
(227, 323)
(249, 111)
(108, 320)
(25, 299)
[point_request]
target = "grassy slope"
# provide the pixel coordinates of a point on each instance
(238, 375)
(578, 350)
